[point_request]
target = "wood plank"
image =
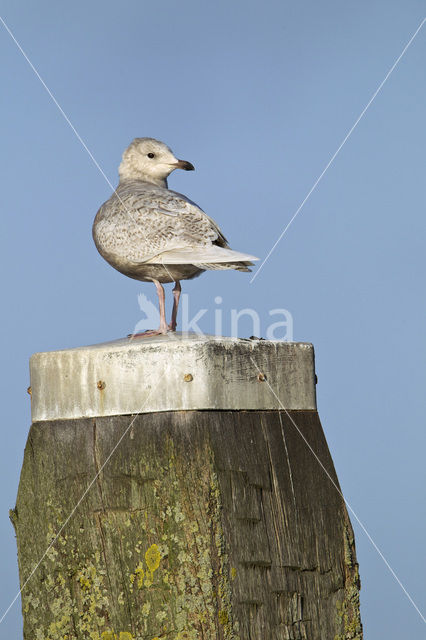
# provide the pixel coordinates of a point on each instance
(203, 524)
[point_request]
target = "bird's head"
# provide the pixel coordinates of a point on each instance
(150, 160)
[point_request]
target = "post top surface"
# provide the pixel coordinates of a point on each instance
(172, 372)
(175, 338)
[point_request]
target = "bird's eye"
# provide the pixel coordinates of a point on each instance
(151, 155)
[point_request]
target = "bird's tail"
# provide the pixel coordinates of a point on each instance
(218, 266)
(200, 255)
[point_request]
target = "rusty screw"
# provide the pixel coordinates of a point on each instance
(188, 377)
(101, 385)
(261, 377)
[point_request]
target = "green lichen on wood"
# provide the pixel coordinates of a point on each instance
(157, 572)
(229, 627)
(348, 614)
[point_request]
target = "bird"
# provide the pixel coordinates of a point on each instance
(153, 234)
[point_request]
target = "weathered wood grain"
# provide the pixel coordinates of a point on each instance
(211, 525)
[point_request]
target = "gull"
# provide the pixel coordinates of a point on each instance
(150, 233)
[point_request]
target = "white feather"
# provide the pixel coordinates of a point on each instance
(200, 255)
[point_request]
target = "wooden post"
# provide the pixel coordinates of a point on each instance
(169, 482)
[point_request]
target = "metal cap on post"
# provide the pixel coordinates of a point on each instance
(151, 374)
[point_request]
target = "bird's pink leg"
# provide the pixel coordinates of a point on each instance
(163, 328)
(176, 295)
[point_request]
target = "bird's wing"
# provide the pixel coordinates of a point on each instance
(220, 240)
(140, 222)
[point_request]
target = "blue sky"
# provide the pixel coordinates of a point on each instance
(258, 96)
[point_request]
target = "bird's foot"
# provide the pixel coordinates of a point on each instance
(147, 334)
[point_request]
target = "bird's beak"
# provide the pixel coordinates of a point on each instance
(183, 164)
